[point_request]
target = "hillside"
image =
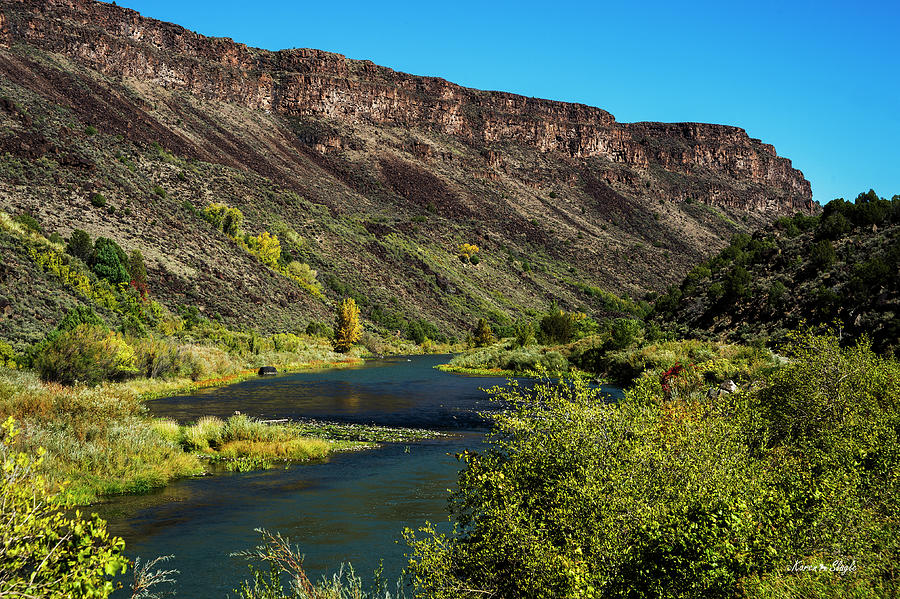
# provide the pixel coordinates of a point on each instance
(369, 177)
(840, 267)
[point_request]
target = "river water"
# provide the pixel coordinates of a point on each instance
(349, 508)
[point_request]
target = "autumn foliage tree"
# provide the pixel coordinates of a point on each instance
(347, 329)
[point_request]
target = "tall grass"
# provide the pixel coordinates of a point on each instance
(98, 439)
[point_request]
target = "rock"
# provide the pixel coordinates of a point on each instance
(728, 387)
(120, 43)
(267, 370)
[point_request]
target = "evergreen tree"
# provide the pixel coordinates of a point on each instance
(110, 261)
(483, 333)
(80, 245)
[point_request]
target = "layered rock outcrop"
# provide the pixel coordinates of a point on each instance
(121, 43)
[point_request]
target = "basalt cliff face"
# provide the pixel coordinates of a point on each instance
(416, 160)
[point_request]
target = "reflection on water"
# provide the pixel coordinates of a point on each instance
(349, 508)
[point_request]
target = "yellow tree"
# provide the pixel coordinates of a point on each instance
(347, 330)
(268, 249)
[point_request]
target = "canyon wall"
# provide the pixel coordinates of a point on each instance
(119, 42)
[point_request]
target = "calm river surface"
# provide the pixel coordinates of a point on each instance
(350, 508)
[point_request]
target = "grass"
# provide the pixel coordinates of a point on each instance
(101, 441)
(477, 371)
(502, 359)
(98, 439)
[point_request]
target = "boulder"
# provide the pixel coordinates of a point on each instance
(728, 387)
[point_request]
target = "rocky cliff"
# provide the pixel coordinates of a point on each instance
(120, 42)
(379, 174)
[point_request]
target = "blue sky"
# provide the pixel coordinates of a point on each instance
(818, 80)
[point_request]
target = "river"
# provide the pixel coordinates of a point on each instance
(349, 508)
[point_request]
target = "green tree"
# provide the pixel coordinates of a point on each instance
(80, 245)
(109, 261)
(347, 329)
(483, 335)
(46, 551)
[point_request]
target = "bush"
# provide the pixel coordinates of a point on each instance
(232, 221)
(47, 552)
(8, 358)
(29, 222)
(302, 272)
(822, 254)
(319, 329)
(207, 433)
(624, 332)
(88, 354)
(523, 330)
(98, 200)
(137, 272)
(673, 495)
(156, 358)
(557, 327)
(80, 245)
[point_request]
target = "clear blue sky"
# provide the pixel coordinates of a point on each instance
(820, 80)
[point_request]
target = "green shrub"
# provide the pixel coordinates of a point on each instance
(776, 293)
(242, 428)
(668, 494)
(137, 272)
(88, 354)
(286, 342)
(90, 131)
(319, 329)
(232, 221)
(623, 332)
(29, 222)
(823, 255)
(46, 551)
(156, 358)
(207, 433)
(98, 200)
(557, 327)
(8, 358)
(523, 331)
(80, 245)
(159, 191)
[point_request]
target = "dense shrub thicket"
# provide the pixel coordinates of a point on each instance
(840, 266)
(788, 491)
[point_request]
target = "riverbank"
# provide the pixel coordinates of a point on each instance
(101, 440)
(622, 366)
(147, 389)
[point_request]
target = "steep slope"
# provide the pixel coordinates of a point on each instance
(370, 176)
(839, 268)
